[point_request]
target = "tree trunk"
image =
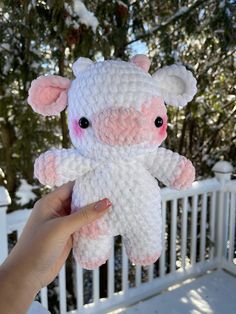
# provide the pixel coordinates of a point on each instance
(8, 138)
(63, 118)
(183, 132)
(121, 33)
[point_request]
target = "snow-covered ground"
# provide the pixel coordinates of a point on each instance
(213, 293)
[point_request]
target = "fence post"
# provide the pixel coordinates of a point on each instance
(4, 202)
(223, 171)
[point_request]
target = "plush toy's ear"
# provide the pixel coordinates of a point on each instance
(141, 61)
(48, 94)
(176, 84)
(80, 65)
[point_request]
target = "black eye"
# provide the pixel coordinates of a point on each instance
(83, 123)
(158, 122)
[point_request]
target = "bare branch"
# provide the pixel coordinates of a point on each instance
(172, 19)
(216, 62)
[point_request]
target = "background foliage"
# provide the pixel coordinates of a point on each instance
(39, 37)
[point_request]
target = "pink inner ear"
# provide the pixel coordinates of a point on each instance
(48, 94)
(141, 61)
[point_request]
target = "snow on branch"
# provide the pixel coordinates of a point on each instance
(121, 3)
(86, 17)
(25, 193)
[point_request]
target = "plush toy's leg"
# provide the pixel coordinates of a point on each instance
(143, 248)
(91, 253)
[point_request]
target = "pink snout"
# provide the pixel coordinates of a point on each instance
(123, 126)
(120, 126)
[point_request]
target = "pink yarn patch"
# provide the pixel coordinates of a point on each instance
(78, 131)
(120, 126)
(94, 230)
(151, 110)
(186, 176)
(45, 169)
(48, 94)
(142, 62)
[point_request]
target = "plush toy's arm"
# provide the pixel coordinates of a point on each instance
(58, 166)
(172, 169)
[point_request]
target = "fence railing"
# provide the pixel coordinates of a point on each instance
(198, 235)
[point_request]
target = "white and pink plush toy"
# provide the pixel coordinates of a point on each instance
(117, 121)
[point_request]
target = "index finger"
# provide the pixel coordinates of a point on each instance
(63, 192)
(56, 200)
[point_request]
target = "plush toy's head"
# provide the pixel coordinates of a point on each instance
(115, 108)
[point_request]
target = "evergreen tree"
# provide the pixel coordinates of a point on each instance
(40, 37)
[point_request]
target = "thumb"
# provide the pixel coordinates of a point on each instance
(86, 215)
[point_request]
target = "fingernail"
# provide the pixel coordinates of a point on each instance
(102, 205)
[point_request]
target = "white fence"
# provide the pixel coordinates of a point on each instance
(198, 235)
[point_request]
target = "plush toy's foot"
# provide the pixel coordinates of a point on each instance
(146, 260)
(91, 253)
(92, 264)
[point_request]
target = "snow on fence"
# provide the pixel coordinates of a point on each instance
(198, 235)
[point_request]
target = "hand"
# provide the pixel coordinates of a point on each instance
(44, 246)
(185, 176)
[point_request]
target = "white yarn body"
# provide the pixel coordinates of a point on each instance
(134, 193)
(135, 214)
(131, 187)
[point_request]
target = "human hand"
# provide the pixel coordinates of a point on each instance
(46, 241)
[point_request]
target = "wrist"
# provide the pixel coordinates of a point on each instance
(14, 278)
(21, 272)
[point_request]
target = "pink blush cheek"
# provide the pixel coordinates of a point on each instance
(159, 137)
(151, 110)
(159, 134)
(78, 132)
(162, 131)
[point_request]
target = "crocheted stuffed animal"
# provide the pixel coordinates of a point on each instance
(117, 121)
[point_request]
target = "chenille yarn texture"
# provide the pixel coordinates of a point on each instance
(117, 120)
